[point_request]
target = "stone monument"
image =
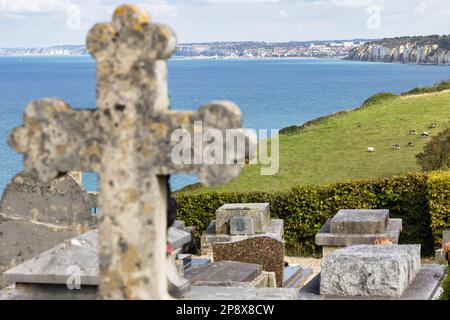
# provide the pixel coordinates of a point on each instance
(358, 227)
(240, 221)
(128, 141)
(370, 270)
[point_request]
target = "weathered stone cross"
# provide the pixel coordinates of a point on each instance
(127, 140)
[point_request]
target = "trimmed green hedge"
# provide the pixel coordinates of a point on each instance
(422, 201)
(439, 203)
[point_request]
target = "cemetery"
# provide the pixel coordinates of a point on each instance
(55, 245)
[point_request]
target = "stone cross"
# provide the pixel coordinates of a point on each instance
(127, 140)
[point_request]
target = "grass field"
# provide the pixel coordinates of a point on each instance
(335, 148)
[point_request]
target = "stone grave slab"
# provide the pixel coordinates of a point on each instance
(370, 270)
(359, 221)
(260, 212)
(326, 238)
(249, 294)
(36, 216)
(266, 251)
(178, 238)
(233, 293)
(47, 275)
(425, 286)
(223, 273)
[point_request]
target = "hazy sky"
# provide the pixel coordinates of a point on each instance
(30, 23)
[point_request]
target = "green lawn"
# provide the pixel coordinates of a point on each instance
(335, 149)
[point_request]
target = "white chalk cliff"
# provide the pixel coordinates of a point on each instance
(404, 53)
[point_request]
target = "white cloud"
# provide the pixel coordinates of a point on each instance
(283, 13)
(240, 1)
(352, 3)
(159, 8)
(33, 6)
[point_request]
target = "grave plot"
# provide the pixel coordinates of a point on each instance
(235, 222)
(358, 227)
(36, 216)
(70, 270)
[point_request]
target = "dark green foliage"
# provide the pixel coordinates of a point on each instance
(413, 198)
(443, 41)
(436, 155)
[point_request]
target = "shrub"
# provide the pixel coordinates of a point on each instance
(422, 202)
(439, 203)
(379, 98)
(436, 155)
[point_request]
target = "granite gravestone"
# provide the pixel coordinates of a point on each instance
(370, 270)
(265, 251)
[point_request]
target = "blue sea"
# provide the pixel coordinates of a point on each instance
(272, 93)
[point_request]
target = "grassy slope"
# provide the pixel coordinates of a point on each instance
(335, 149)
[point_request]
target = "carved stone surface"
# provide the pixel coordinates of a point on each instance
(36, 216)
(242, 226)
(127, 140)
(326, 238)
(370, 270)
(259, 212)
(77, 256)
(223, 273)
(360, 221)
(209, 236)
(265, 251)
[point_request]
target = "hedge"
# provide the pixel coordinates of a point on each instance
(422, 200)
(439, 203)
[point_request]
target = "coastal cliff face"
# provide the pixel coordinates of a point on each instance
(405, 53)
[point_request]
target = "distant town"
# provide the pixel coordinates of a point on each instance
(248, 49)
(309, 49)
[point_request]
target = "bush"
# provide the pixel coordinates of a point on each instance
(422, 202)
(436, 155)
(379, 98)
(439, 203)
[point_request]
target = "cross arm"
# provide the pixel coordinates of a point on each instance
(207, 130)
(56, 139)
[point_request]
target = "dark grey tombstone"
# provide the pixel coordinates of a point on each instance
(35, 217)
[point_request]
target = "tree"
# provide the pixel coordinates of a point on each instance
(436, 154)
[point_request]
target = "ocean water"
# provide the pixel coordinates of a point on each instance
(271, 93)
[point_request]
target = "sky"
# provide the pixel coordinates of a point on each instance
(37, 23)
